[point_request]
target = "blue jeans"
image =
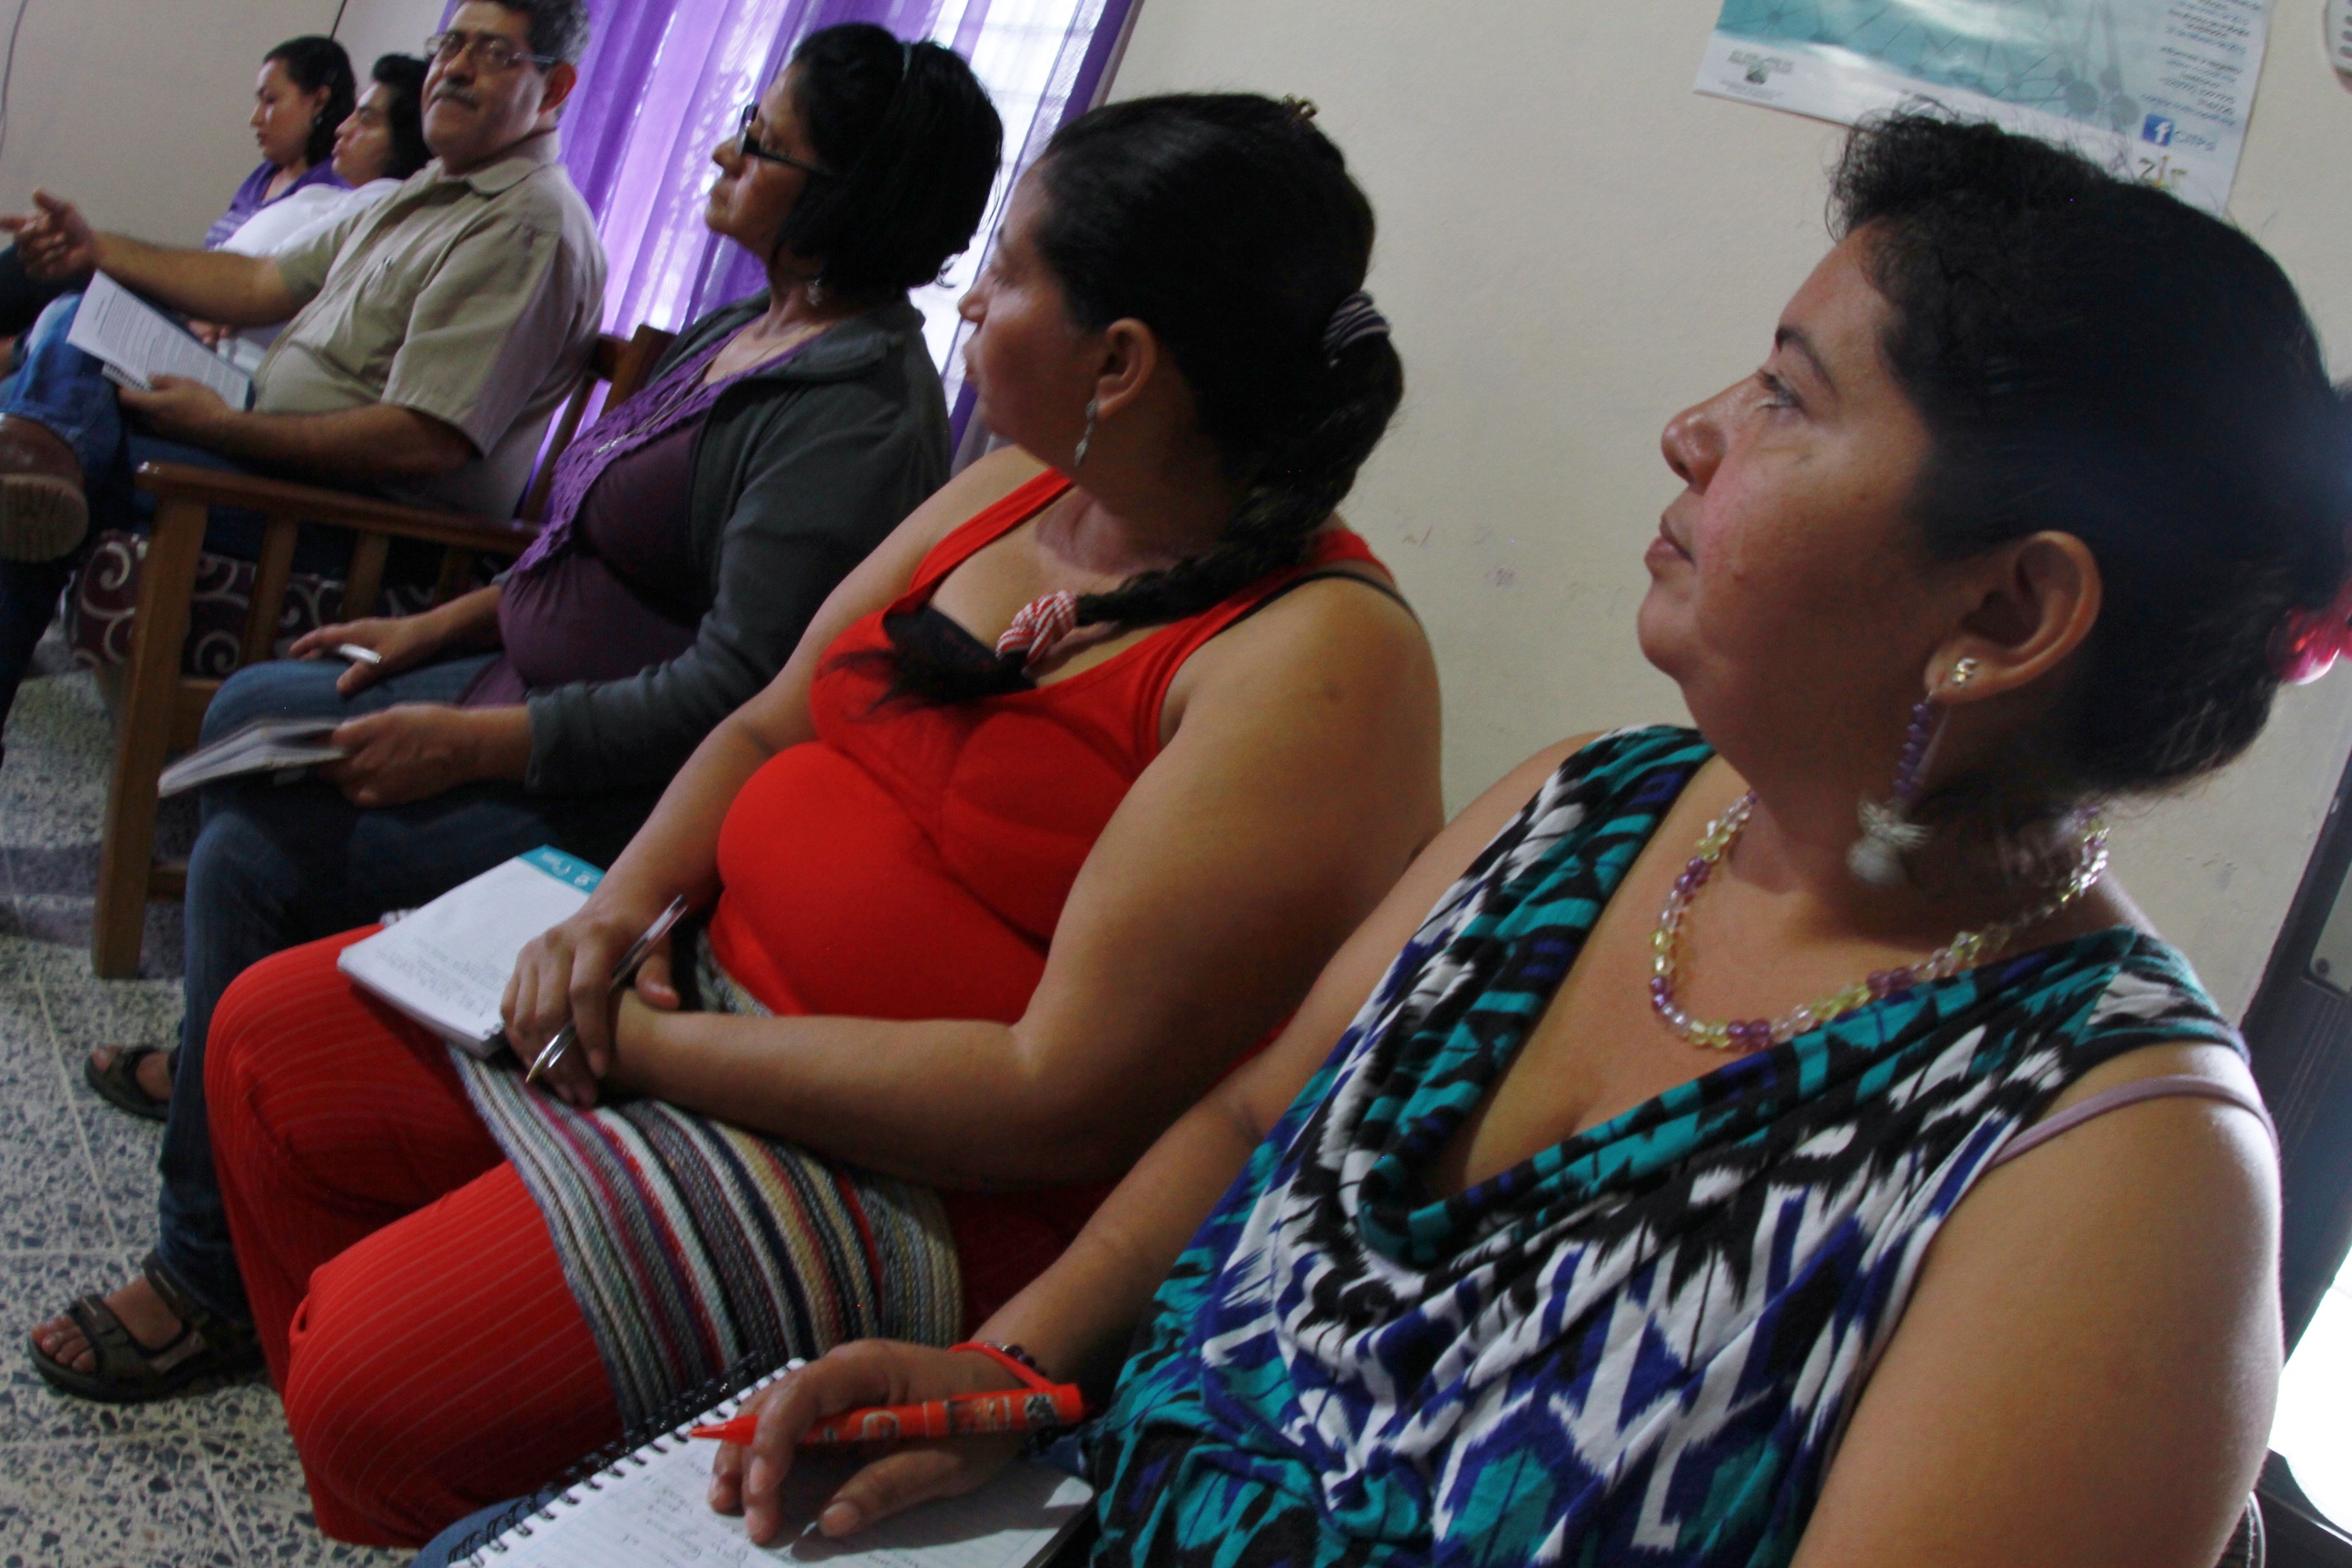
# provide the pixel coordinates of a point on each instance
(278, 865)
(66, 390)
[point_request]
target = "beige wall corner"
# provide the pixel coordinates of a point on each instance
(1573, 245)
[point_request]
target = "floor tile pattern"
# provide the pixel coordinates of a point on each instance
(204, 1482)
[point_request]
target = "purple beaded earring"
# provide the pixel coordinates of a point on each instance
(1887, 831)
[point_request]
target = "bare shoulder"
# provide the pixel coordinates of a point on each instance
(978, 487)
(1348, 613)
(2211, 1159)
(1331, 644)
(2084, 1372)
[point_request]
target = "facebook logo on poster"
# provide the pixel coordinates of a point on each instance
(2156, 128)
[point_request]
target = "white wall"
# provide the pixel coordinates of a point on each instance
(373, 27)
(1573, 245)
(136, 109)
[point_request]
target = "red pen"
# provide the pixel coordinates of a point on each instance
(964, 1415)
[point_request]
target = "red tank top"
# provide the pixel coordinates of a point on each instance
(911, 861)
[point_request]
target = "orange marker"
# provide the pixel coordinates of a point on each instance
(964, 1415)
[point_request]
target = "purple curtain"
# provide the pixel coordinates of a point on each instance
(664, 80)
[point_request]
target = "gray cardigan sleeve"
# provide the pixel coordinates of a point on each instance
(839, 466)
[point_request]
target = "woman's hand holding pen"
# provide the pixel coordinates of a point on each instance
(870, 1372)
(564, 975)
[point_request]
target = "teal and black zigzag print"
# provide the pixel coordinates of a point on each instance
(1639, 1347)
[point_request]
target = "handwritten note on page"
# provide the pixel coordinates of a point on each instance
(447, 964)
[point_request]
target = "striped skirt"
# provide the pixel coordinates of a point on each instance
(690, 1245)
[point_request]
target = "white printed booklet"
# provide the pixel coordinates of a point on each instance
(136, 342)
(447, 964)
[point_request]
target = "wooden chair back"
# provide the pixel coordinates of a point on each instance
(162, 711)
(623, 364)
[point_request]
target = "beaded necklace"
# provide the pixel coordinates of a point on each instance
(1963, 951)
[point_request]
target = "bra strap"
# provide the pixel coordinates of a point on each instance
(982, 529)
(2172, 1087)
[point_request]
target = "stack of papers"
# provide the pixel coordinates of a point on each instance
(137, 342)
(263, 746)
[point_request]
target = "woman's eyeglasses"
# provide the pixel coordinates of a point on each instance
(749, 146)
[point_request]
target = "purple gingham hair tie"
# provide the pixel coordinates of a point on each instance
(1356, 319)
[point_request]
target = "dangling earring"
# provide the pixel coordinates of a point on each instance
(816, 292)
(1078, 458)
(1887, 831)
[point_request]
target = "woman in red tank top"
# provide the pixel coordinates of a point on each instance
(1066, 797)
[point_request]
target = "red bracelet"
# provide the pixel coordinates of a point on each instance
(1012, 1358)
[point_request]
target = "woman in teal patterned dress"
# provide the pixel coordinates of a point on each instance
(1668, 1172)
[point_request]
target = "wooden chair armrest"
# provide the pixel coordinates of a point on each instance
(311, 503)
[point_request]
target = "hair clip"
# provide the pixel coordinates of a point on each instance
(2309, 642)
(1302, 109)
(1356, 319)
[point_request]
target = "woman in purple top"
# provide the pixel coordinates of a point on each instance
(305, 91)
(693, 531)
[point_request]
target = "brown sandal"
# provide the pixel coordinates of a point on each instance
(208, 1349)
(117, 1082)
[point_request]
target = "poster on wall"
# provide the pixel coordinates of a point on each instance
(2161, 87)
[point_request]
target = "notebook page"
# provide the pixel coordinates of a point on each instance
(447, 965)
(651, 1510)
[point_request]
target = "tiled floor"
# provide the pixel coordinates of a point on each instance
(210, 1480)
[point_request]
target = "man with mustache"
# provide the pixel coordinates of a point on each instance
(437, 332)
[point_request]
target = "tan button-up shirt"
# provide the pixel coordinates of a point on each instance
(475, 298)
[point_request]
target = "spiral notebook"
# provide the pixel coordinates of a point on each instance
(643, 1503)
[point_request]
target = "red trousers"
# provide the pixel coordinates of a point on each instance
(408, 1296)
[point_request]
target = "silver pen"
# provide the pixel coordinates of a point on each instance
(552, 1052)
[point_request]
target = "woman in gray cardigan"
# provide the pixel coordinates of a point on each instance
(692, 532)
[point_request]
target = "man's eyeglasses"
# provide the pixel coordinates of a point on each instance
(495, 53)
(749, 146)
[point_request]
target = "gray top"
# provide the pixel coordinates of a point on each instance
(472, 297)
(800, 470)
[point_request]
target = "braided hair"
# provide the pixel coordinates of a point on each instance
(1228, 225)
